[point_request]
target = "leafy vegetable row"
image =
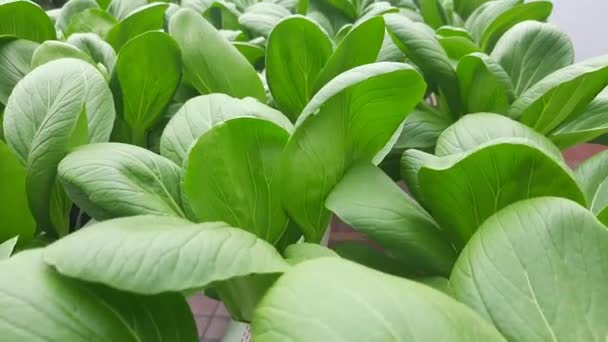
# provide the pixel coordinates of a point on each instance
(154, 150)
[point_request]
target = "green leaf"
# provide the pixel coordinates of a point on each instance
(143, 19)
(360, 46)
(562, 95)
(148, 70)
(231, 176)
(389, 52)
(211, 63)
(161, 254)
(492, 19)
(7, 247)
(201, 113)
(15, 60)
(120, 9)
(25, 20)
(371, 203)
(462, 190)
(222, 15)
(536, 271)
(375, 9)
(360, 304)
(346, 7)
(15, 216)
(592, 175)
(484, 84)
(92, 20)
(262, 17)
(522, 51)
(96, 48)
(421, 129)
(104, 3)
(362, 253)
(293, 65)
(456, 42)
(323, 13)
(418, 43)
(241, 295)
(36, 294)
(300, 252)
(109, 180)
(474, 130)
(344, 112)
(592, 123)
(52, 50)
(433, 13)
(71, 9)
(55, 107)
(254, 53)
(466, 7)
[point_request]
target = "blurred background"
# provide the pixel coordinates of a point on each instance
(585, 22)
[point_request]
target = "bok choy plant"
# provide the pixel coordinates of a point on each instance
(154, 150)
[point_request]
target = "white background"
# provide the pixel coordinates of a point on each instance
(586, 22)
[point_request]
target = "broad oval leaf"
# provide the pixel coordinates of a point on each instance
(109, 180)
(300, 252)
(162, 254)
(484, 84)
(58, 105)
(71, 9)
(144, 19)
(562, 95)
(211, 63)
(375, 9)
(262, 17)
(379, 308)
(433, 13)
(371, 203)
(120, 9)
(92, 20)
(421, 129)
(492, 19)
(474, 130)
(522, 51)
(345, 112)
(466, 7)
(590, 124)
(360, 46)
(461, 191)
(456, 41)
(536, 270)
(231, 176)
(25, 20)
(15, 61)
(201, 113)
(148, 70)
(293, 65)
(418, 43)
(33, 292)
(533, 10)
(96, 48)
(52, 50)
(15, 216)
(592, 176)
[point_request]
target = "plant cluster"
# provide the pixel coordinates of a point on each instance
(154, 150)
